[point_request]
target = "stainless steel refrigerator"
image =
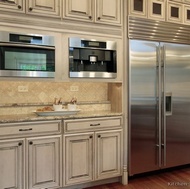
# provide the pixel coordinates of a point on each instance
(159, 105)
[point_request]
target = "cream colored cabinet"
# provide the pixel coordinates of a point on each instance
(108, 154)
(44, 162)
(89, 154)
(153, 9)
(12, 164)
(187, 14)
(50, 8)
(175, 13)
(35, 160)
(138, 8)
(78, 158)
(98, 11)
(12, 5)
(92, 149)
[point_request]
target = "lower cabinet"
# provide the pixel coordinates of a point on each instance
(44, 162)
(31, 161)
(92, 156)
(12, 164)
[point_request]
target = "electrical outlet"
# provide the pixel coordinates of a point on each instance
(74, 88)
(23, 88)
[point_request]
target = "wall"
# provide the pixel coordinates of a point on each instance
(90, 96)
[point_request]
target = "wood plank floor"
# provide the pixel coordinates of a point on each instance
(178, 178)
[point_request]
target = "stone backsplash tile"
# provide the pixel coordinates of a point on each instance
(45, 92)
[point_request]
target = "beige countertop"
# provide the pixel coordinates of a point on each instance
(34, 117)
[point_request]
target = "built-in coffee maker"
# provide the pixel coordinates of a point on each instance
(92, 58)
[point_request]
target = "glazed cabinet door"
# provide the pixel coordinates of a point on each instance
(78, 158)
(12, 5)
(78, 10)
(138, 8)
(187, 14)
(156, 9)
(44, 166)
(108, 154)
(12, 164)
(50, 8)
(108, 11)
(175, 12)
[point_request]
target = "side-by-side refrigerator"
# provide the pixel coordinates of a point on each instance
(159, 105)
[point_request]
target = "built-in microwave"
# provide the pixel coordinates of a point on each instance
(26, 55)
(92, 58)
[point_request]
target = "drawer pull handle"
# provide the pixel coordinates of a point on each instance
(30, 129)
(97, 124)
(30, 142)
(20, 143)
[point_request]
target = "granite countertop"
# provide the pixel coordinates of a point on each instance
(34, 117)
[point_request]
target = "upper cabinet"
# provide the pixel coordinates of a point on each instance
(154, 9)
(98, 11)
(12, 5)
(177, 11)
(49, 8)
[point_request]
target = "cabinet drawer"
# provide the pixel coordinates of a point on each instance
(92, 124)
(34, 128)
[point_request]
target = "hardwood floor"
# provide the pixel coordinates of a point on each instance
(178, 178)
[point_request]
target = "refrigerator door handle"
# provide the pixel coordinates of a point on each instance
(164, 106)
(159, 103)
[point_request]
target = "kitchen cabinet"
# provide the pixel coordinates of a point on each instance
(13, 6)
(43, 162)
(12, 164)
(175, 13)
(78, 158)
(153, 9)
(49, 8)
(33, 158)
(94, 154)
(94, 11)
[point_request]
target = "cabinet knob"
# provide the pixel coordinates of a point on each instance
(30, 9)
(90, 17)
(19, 7)
(20, 143)
(30, 142)
(99, 18)
(91, 136)
(99, 136)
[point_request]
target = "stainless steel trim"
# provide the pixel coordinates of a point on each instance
(141, 28)
(46, 39)
(26, 45)
(76, 42)
(13, 73)
(93, 74)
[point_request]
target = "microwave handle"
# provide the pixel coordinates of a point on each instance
(26, 45)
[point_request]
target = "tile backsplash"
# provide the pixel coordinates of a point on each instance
(45, 92)
(90, 96)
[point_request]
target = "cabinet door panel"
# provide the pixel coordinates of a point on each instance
(138, 8)
(108, 154)
(50, 8)
(79, 9)
(13, 5)
(44, 162)
(187, 14)
(78, 154)
(157, 9)
(108, 11)
(175, 12)
(11, 164)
